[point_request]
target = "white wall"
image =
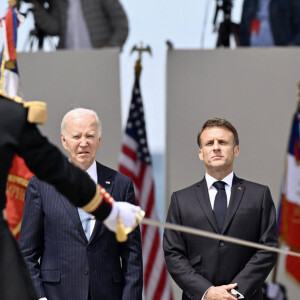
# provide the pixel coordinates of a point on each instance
(255, 89)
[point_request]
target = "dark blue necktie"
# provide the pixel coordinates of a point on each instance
(220, 206)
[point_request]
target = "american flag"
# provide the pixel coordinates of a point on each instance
(135, 162)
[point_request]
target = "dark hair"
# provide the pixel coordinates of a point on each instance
(216, 122)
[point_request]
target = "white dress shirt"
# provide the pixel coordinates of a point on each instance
(212, 191)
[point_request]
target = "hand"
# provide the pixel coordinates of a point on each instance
(221, 292)
(127, 213)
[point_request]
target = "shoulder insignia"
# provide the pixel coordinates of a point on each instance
(37, 112)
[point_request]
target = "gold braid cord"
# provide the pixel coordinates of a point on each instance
(100, 195)
(122, 231)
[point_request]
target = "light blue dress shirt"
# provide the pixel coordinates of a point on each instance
(88, 220)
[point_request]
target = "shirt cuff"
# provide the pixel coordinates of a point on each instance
(236, 293)
(203, 297)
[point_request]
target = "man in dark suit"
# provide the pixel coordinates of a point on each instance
(68, 253)
(213, 269)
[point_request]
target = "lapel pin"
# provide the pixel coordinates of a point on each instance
(239, 188)
(107, 182)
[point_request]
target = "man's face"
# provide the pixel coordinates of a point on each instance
(81, 140)
(217, 150)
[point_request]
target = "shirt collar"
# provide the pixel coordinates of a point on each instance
(92, 171)
(211, 180)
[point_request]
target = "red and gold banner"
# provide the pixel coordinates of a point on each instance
(293, 266)
(17, 182)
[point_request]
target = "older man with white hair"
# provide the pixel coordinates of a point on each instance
(70, 255)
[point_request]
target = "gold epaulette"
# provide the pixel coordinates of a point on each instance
(37, 112)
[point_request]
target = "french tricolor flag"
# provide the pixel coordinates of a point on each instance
(9, 75)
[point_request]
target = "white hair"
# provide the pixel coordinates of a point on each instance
(80, 111)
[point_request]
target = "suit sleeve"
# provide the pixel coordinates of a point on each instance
(32, 234)
(261, 263)
(175, 251)
(131, 254)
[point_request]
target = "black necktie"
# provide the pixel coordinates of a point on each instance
(220, 206)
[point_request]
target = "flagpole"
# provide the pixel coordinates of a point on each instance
(138, 63)
(122, 232)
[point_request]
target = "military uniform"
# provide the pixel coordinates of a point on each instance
(19, 136)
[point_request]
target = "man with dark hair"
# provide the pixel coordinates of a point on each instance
(215, 122)
(221, 203)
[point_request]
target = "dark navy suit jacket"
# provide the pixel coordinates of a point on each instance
(69, 264)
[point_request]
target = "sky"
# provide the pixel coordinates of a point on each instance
(186, 23)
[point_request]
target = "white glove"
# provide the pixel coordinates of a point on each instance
(127, 213)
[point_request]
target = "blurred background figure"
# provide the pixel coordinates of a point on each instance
(270, 23)
(93, 24)
(227, 28)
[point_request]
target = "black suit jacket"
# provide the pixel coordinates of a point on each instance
(197, 263)
(70, 265)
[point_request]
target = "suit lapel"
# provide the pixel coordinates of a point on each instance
(73, 213)
(237, 192)
(105, 180)
(203, 199)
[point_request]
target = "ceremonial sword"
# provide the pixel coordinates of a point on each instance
(122, 233)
